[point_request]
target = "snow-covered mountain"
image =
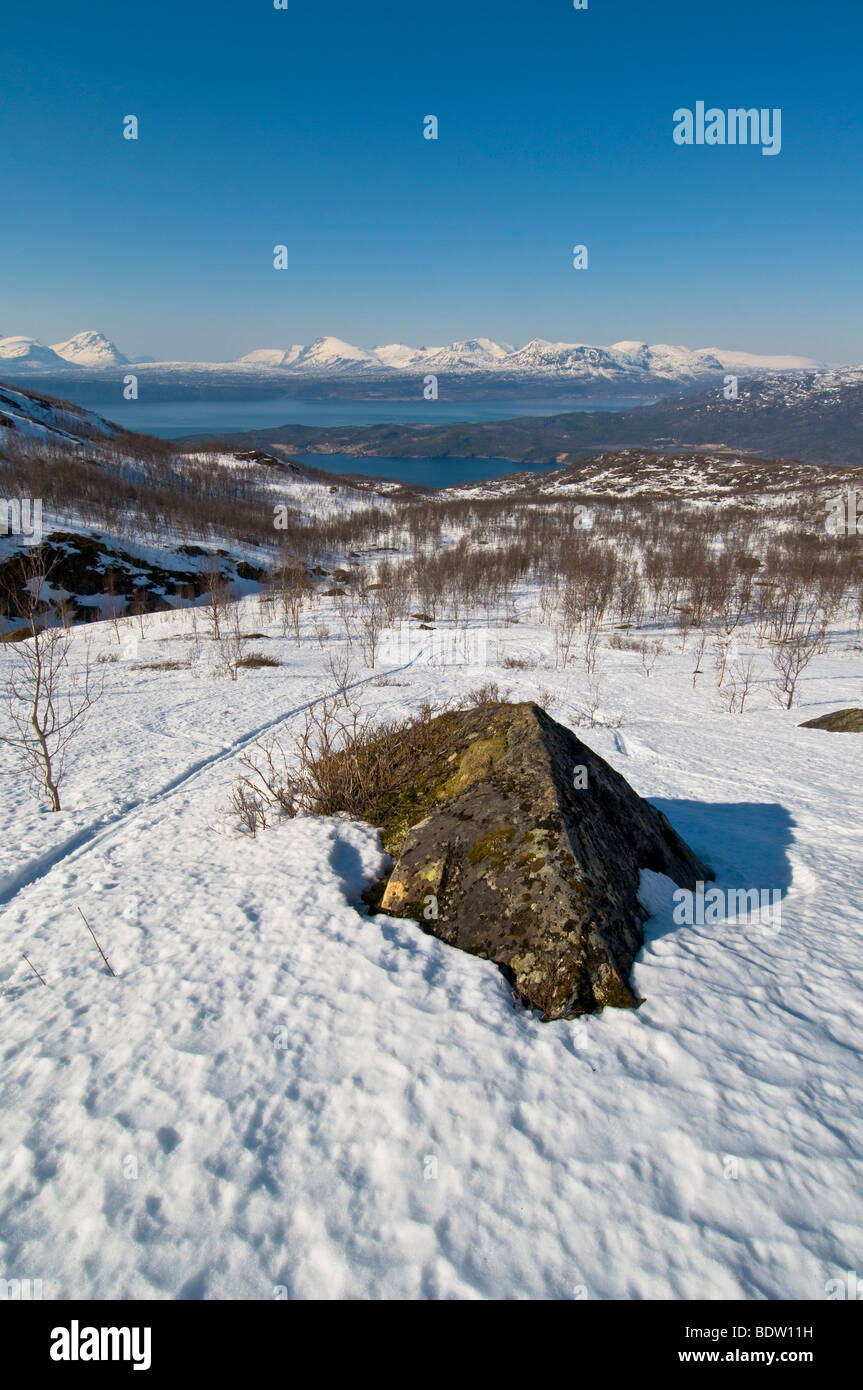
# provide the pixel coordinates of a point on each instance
(333, 354)
(624, 361)
(19, 352)
(90, 349)
(470, 353)
(627, 363)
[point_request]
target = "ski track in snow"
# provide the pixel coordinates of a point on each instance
(95, 836)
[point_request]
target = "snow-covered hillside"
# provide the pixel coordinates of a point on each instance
(26, 418)
(279, 1095)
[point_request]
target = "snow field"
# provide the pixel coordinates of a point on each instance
(282, 1096)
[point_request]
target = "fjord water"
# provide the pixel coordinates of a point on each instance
(172, 419)
(424, 472)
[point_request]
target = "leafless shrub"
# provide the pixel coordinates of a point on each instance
(650, 653)
(372, 621)
(790, 658)
(488, 694)
(249, 807)
(291, 588)
(341, 668)
(740, 676)
(46, 701)
(342, 762)
(591, 643)
(218, 594)
(233, 643)
(700, 647)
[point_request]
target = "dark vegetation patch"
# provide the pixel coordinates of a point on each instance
(256, 659)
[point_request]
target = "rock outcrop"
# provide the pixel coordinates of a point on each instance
(519, 844)
(840, 721)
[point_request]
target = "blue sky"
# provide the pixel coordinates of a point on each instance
(304, 127)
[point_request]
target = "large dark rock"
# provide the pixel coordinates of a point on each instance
(519, 844)
(840, 721)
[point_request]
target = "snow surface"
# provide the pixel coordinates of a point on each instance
(282, 1094)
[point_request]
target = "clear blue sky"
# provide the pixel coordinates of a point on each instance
(304, 127)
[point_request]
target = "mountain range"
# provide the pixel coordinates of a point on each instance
(624, 363)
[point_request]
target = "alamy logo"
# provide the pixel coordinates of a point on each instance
(18, 1290)
(22, 516)
(845, 1288)
(745, 906)
(738, 126)
(466, 647)
(845, 514)
(76, 1343)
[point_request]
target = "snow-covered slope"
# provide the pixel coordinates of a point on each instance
(279, 1095)
(28, 417)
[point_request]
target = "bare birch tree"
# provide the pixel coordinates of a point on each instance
(46, 700)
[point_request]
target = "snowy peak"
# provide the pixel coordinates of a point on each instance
(27, 352)
(90, 349)
(399, 356)
(469, 354)
(333, 354)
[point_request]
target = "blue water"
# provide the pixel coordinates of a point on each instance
(170, 419)
(430, 472)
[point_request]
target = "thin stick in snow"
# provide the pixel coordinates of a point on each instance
(33, 968)
(101, 952)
